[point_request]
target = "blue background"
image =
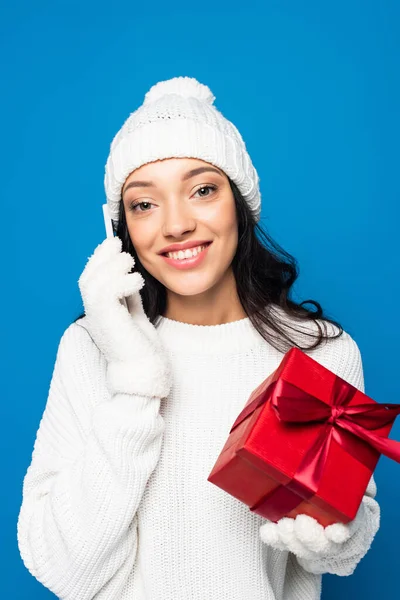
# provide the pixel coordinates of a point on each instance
(313, 88)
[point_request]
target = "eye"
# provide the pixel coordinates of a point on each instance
(213, 188)
(133, 206)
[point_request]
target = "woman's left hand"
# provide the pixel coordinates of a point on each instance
(307, 538)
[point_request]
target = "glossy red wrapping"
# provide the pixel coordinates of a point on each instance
(320, 467)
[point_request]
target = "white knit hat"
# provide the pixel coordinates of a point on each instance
(178, 119)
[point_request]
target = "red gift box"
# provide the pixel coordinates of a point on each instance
(306, 442)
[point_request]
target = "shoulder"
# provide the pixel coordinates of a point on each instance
(75, 335)
(80, 367)
(338, 352)
(76, 345)
(342, 356)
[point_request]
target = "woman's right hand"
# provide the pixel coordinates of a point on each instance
(137, 362)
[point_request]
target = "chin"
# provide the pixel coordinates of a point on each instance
(188, 286)
(193, 290)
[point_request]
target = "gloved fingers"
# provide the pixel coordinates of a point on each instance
(129, 285)
(107, 248)
(281, 536)
(286, 527)
(105, 251)
(312, 534)
(338, 533)
(269, 534)
(105, 255)
(306, 537)
(112, 266)
(101, 282)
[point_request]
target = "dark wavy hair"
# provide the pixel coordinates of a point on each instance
(264, 273)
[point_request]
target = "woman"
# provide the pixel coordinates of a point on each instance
(116, 502)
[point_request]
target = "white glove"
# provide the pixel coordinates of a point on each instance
(137, 362)
(307, 538)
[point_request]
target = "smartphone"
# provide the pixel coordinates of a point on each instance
(107, 221)
(110, 233)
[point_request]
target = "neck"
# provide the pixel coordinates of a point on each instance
(216, 306)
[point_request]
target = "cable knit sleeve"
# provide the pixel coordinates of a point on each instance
(345, 355)
(92, 458)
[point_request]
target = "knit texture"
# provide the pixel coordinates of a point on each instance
(178, 120)
(116, 503)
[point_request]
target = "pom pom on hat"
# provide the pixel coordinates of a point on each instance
(187, 87)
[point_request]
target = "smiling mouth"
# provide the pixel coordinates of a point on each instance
(203, 247)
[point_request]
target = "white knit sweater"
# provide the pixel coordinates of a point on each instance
(116, 502)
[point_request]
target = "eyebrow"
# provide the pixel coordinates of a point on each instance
(187, 176)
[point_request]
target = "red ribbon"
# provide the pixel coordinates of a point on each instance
(294, 405)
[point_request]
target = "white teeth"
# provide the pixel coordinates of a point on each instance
(189, 253)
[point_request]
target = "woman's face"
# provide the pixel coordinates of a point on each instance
(180, 200)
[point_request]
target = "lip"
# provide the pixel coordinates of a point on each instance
(187, 263)
(184, 246)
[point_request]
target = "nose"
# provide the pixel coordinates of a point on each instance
(178, 219)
